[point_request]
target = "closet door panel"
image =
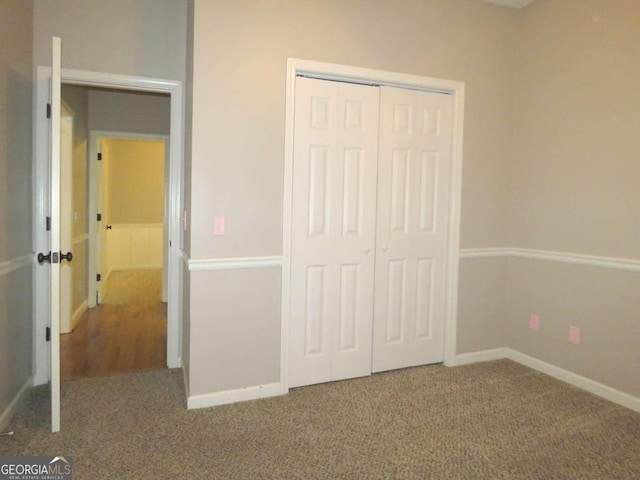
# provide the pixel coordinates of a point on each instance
(333, 231)
(412, 228)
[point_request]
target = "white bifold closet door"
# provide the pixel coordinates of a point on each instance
(369, 229)
(333, 231)
(412, 228)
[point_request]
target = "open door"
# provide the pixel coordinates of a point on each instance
(55, 255)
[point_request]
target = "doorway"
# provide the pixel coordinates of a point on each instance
(99, 81)
(125, 327)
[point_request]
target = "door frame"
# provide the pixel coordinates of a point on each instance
(67, 239)
(345, 73)
(40, 203)
(94, 206)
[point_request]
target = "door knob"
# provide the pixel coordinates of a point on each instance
(42, 258)
(108, 227)
(384, 248)
(366, 250)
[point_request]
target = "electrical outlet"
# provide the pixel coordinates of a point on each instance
(534, 322)
(574, 335)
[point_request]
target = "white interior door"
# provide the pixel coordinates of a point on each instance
(412, 223)
(54, 242)
(333, 230)
(66, 217)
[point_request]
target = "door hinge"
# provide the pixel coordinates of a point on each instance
(98, 277)
(99, 216)
(48, 223)
(48, 110)
(48, 334)
(99, 156)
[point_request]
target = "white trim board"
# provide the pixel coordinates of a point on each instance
(8, 412)
(16, 264)
(237, 395)
(483, 252)
(481, 356)
(591, 386)
(80, 238)
(329, 71)
(233, 263)
(77, 315)
(584, 383)
(628, 264)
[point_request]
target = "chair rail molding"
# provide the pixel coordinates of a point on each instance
(14, 264)
(628, 264)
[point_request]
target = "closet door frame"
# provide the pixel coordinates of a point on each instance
(327, 71)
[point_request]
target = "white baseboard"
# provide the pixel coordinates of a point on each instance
(591, 386)
(482, 356)
(576, 380)
(233, 396)
(77, 315)
(174, 364)
(5, 417)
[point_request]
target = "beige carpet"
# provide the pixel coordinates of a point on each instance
(497, 420)
(133, 286)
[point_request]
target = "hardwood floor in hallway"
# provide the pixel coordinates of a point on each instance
(127, 333)
(114, 339)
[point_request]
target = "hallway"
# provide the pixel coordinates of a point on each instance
(127, 333)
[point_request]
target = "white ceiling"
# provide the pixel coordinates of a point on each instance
(511, 3)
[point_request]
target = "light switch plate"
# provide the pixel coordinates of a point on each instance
(219, 225)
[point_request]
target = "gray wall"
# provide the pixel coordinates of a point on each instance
(604, 303)
(550, 162)
(131, 37)
(129, 112)
(16, 29)
(239, 64)
(574, 185)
